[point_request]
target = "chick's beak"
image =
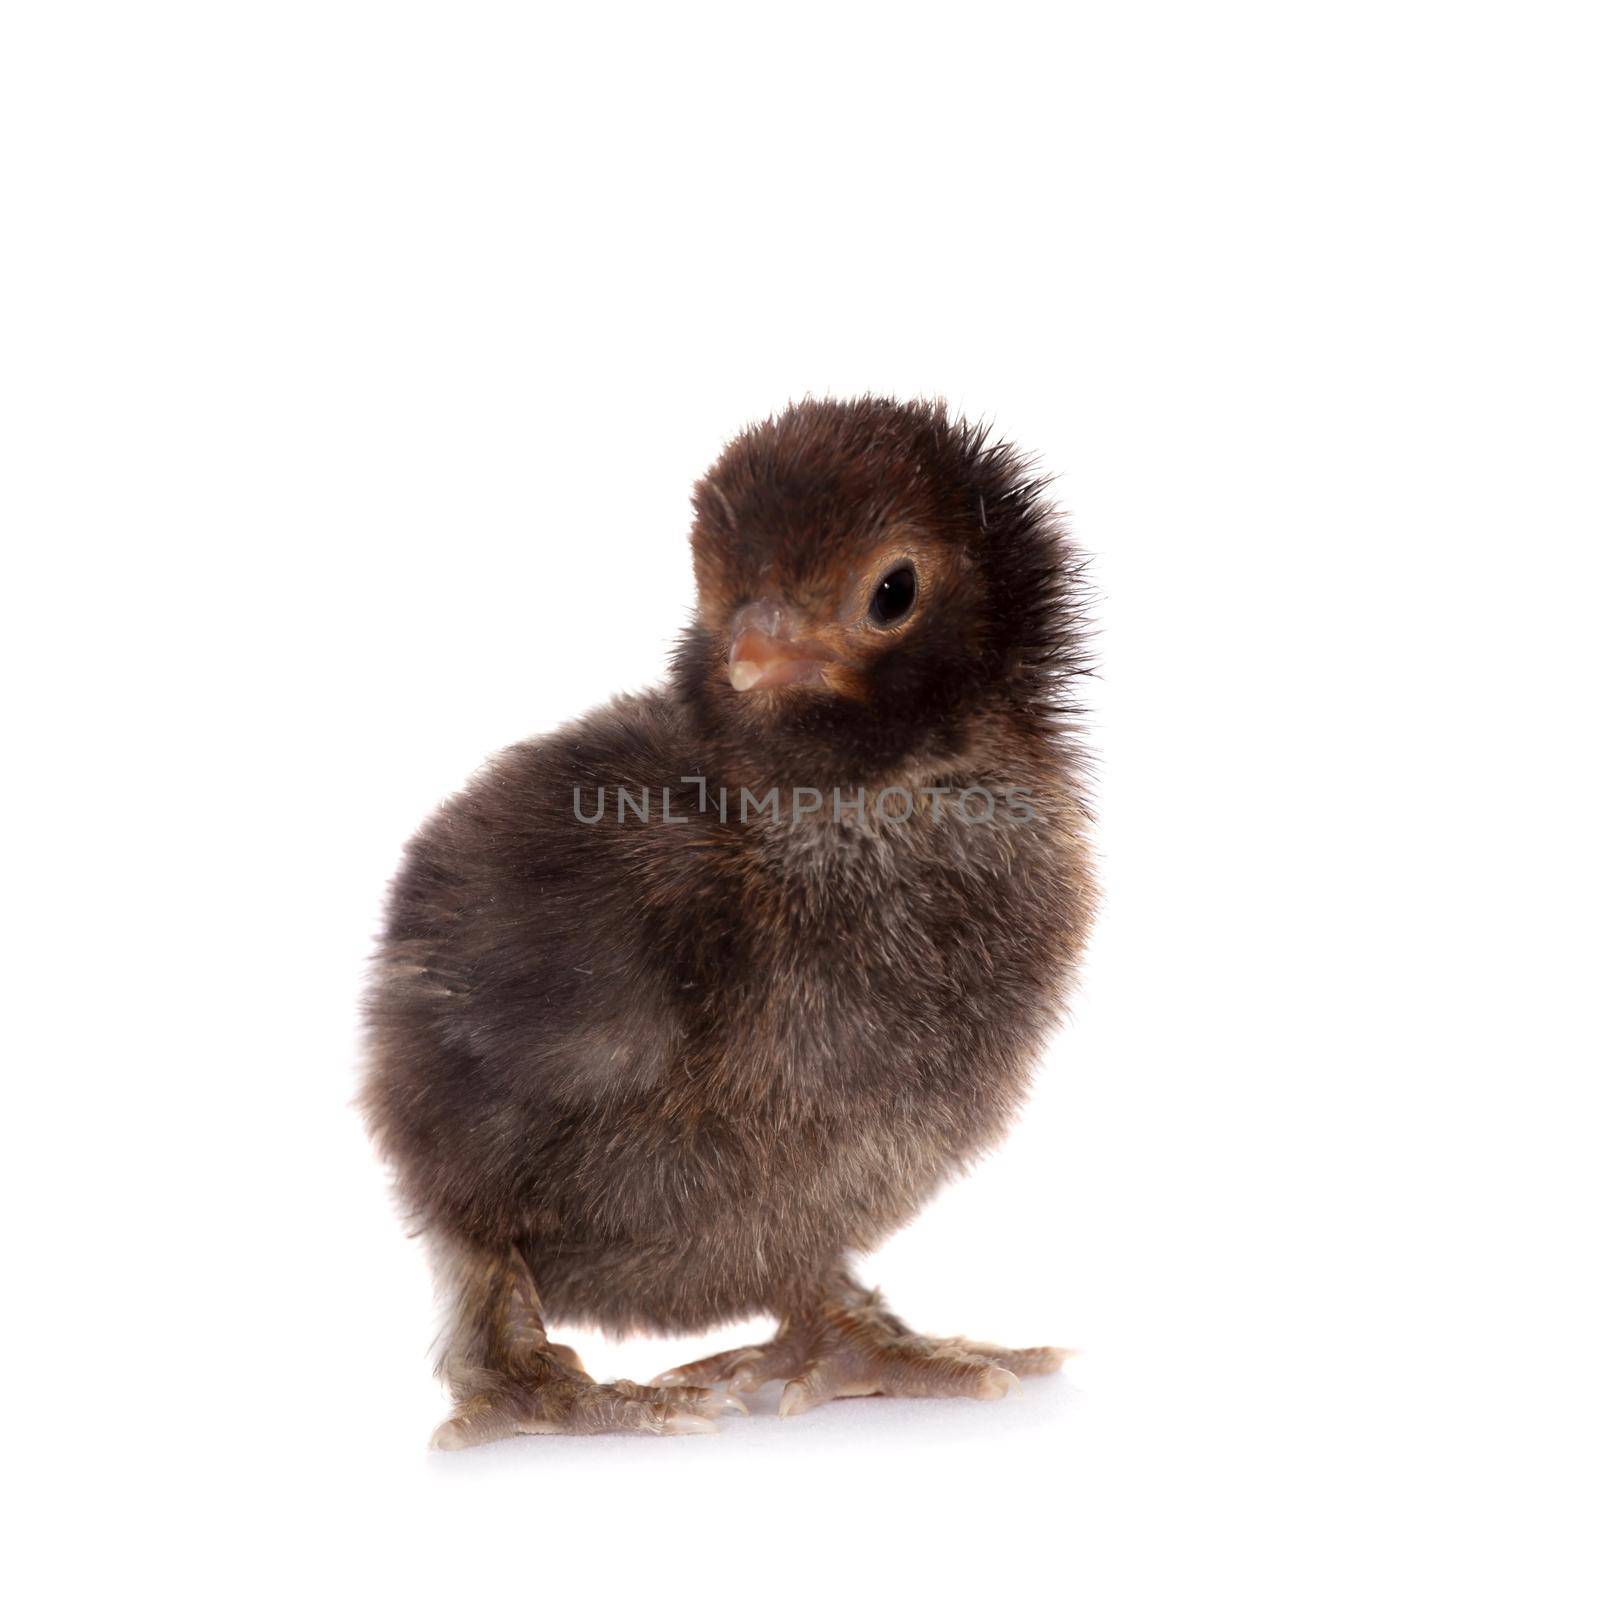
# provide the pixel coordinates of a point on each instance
(767, 654)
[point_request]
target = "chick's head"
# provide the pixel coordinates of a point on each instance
(879, 588)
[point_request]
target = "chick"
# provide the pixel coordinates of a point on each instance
(681, 1006)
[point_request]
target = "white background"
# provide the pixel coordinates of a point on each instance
(357, 361)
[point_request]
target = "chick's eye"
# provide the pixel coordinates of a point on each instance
(893, 597)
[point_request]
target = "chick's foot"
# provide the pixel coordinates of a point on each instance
(852, 1344)
(506, 1376)
(554, 1396)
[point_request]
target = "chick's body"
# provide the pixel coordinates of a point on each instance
(683, 1004)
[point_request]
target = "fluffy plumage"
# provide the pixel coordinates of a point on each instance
(656, 1075)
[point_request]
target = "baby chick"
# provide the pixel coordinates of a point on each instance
(682, 1005)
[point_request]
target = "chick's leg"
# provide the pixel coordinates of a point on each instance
(843, 1340)
(506, 1377)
